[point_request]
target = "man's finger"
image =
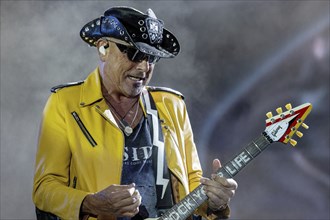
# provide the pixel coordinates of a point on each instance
(216, 165)
(228, 183)
(116, 196)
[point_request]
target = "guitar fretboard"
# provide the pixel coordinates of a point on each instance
(197, 197)
(252, 150)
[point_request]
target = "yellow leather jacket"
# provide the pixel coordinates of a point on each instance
(80, 149)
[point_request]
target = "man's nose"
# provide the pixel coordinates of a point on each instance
(144, 65)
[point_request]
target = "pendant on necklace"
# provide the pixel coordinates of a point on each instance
(128, 130)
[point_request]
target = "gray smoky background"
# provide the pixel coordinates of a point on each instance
(238, 60)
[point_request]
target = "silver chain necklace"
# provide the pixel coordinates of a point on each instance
(127, 128)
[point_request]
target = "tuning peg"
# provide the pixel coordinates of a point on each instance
(304, 126)
(279, 110)
(293, 142)
(299, 134)
(288, 106)
(269, 114)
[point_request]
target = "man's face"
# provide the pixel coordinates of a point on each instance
(124, 77)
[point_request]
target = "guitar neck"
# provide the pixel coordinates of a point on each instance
(251, 151)
(197, 197)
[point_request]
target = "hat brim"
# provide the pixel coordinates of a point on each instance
(146, 48)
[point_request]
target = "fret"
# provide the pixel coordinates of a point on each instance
(253, 150)
(192, 198)
(185, 207)
(248, 152)
(229, 171)
(198, 196)
(257, 147)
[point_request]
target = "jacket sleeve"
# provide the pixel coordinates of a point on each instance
(192, 160)
(51, 187)
(195, 170)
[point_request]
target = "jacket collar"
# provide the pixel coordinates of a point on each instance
(91, 89)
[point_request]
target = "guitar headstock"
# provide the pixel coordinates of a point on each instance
(282, 127)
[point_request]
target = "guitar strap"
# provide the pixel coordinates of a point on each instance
(162, 174)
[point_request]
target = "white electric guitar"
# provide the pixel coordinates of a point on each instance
(279, 128)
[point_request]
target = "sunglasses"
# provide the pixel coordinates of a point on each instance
(135, 55)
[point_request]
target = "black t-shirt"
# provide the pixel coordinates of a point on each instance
(138, 169)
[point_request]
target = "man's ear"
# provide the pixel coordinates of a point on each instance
(102, 49)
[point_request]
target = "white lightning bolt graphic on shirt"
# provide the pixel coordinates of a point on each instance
(156, 142)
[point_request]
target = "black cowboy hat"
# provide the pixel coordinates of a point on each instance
(130, 26)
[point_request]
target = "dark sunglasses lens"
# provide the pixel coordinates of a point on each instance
(122, 48)
(136, 55)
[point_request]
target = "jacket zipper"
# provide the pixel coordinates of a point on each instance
(74, 182)
(84, 129)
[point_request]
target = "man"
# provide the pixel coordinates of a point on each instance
(111, 146)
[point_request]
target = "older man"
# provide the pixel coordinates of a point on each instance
(111, 147)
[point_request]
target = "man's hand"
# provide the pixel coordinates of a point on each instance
(218, 189)
(115, 200)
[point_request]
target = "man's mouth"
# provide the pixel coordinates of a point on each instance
(136, 78)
